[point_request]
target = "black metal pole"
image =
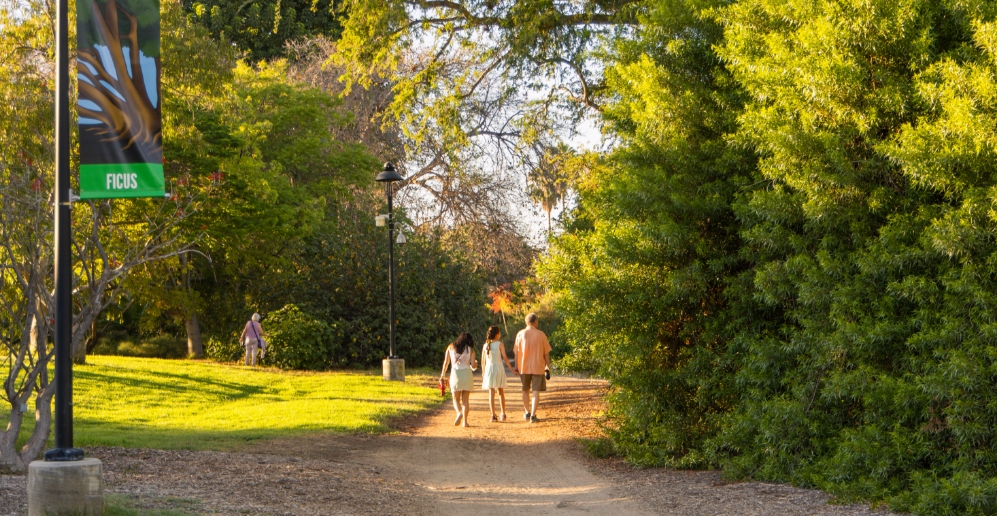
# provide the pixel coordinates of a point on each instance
(63, 333)
(391, 276)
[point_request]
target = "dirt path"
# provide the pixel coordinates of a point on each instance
(430, 467)
(540, 469)
(512, 466)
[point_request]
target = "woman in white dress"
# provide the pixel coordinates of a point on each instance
(460, 355)
(493, 378)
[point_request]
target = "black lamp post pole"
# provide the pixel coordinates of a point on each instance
(63, 330)
(391, 276)
(387, 176)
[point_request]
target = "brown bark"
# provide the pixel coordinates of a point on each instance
(195, 348)
(10, 460)
(43, 421)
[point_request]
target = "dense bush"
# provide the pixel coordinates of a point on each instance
(224, 349)
(788, 268)
(297, 340)
(340, 278)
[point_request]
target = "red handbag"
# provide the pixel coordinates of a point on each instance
(443, 384)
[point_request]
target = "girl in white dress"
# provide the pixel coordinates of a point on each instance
(493, 378)
(460, 354)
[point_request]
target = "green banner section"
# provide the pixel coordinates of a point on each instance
(121, 180)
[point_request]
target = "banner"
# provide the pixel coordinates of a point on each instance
(120, 113)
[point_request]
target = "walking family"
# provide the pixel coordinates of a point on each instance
(532, 357)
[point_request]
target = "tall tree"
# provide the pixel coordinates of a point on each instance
(643, 271)
(549, 179)
(264, 29)
(478, 87)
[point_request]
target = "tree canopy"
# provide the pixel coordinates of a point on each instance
(785, 267)
(263, 29)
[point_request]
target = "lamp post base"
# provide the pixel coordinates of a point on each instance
(63, 455)
(393, 369)
(65, 487)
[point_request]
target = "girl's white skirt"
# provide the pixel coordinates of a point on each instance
(461, 380)
(494, 376)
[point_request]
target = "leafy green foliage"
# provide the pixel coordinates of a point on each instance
(640, 275)
(297, 340)
(224, 350)
(340, 277)
(787, 268)
(262, 29)
(286, 217)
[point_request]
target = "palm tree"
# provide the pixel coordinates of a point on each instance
(548, 179)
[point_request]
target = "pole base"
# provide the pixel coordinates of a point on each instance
(64, 488)
(393, 369)
(64, 455)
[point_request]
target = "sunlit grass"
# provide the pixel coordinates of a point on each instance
(184, 404)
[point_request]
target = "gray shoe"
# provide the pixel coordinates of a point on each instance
(526, 416)
(534, 419)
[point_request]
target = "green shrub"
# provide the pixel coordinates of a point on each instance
(297, 340)
(224, 349)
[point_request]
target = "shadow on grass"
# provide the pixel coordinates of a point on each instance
(162, 381)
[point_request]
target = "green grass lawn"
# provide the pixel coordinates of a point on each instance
(186, 404)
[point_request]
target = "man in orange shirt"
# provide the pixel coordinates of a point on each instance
(532, 352)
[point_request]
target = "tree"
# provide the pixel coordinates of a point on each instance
(643, 270)
(549, 179)
(478, 86)
(263, 30)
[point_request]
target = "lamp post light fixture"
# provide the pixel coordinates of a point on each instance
(393, 367)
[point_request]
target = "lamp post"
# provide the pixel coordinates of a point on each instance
(62, 334)
(393, 367)
(65, 482)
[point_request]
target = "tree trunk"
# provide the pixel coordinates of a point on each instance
(80, 353)
(94, 337)
(194, 346)
(36, 331)
(10, 460)
(43, 422)
(506, 326)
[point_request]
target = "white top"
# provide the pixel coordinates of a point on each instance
(494, 355)
(462, 361)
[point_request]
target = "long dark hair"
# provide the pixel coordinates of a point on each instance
(464, 342)
(493, 332)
